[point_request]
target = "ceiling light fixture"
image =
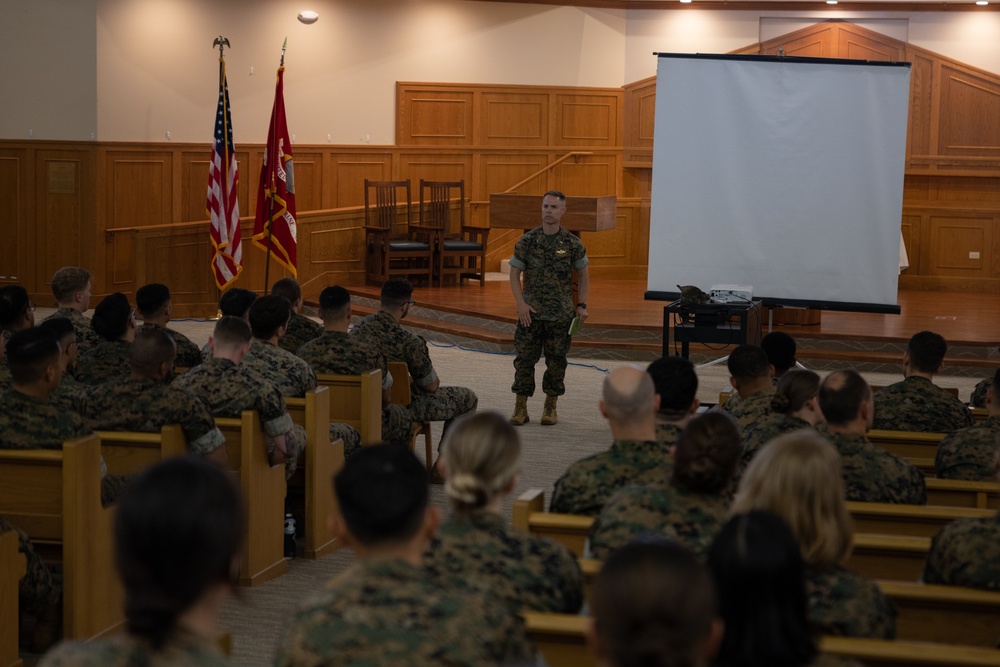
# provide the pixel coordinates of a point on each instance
(685, 2)
(308, 17)
(831, 2)
(982, 3)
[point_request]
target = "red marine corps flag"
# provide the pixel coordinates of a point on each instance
(221, 204)
(274, 228)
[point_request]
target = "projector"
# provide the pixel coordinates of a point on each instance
(730, 294)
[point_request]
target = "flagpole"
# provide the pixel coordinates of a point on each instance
(270, 200)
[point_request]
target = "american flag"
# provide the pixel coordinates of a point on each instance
(222, 204)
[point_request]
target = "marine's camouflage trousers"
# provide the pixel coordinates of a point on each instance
(529, 342)
(396, 422)
(38, 590)
(446, 404)
(349, 434)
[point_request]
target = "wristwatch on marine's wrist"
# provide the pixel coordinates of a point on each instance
(582, 305)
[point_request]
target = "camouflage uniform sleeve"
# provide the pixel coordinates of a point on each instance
(572, 496)
(518, 259)
(937, 559)
(418, 359)
(616, 525)
(301, 641)
(504, 635)
(273, 413)
(580, 259)
(204, 437)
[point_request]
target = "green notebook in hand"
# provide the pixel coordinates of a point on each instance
(576, 326)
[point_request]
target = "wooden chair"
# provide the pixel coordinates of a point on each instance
(263, 487)
(390, 252)
(945, 614)
(401, 395)
(962, 493)
(911, 520)
(467, 246)
(907, 444)
(323, 460)
(129, 452)
(356, 400)
(55, 497)
(570, 530)
(12, 569)
(893, 557)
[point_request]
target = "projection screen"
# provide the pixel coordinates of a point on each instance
(785, 174)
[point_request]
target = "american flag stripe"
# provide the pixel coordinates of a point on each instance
(221, 201)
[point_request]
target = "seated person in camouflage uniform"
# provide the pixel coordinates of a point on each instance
(71, 289)
(290, 375)
(794, 404)
(797, 476)
(429, 401)
(780, 349)
(676, 384)
(178, 534)
(17, 313)
(39, 595)
(154, 305)
(228, 388)
(916, 403)
(970, 453)
(654, 604)
(692, 507)
(870, 473)
(235, 302)
(71, 393)
(114, 321)
(385, 609)
(760, 578)
(337, 352)
(629, 403)
(966, 552)
(300, 328)
(146, 402)
(475, 547)
(752, 376)
(978, 397)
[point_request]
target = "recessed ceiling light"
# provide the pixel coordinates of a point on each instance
(982, 3)
(308, 17)
(831, 2)
(685, 2)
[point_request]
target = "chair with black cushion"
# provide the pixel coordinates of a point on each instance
(394, 246)
(466, 247)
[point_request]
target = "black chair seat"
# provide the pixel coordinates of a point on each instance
(464, 246)
(407, 246)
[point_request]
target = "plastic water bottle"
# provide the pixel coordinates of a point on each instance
(289, 536)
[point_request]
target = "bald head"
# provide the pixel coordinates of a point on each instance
(628, 395)
(841, 396)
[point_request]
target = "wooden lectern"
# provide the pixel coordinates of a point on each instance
(583, 214)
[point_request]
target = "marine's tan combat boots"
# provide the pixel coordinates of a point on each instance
(549, 416)
(520, 416)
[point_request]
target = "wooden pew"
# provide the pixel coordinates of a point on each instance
(561, 639)
(129, 452)
(570, 530)
(912, 520)
(979, 415)
(945, 614)
(401, 395)
(962, 493)
(907, 444)
(356, 400)
(263, 487)
(895, 557)
(12, 570)
(323, 460)
(55, 497)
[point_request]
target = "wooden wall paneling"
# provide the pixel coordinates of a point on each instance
(178, 256)
(16, 252)
(434, 114)
(911, 240)
(434, 166)
(512, 118)
(194, 183)
(332, 249)
(969, 122)
(816, 41)
(592, 175)
(639, 118)
(921, 103)
(65, 231)
(962, 244)
(860, 44)
(307, 178)
(967, 190)
(350, 171)
(587, 120)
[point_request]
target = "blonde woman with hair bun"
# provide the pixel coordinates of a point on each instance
(480, 459)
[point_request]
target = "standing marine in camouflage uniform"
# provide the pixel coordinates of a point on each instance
(71, 394)
(114, 321)
(386, 610)
(794, 404)
(475, 547)
(978, 397)
(636, 457)
(146, 402)
(153, 303)
(692, 508)
(71, 288)
(290, 375)
(870, 473)
(429, 401)
(228, 388)
(966, 552)
(300, 328)
(336, 351)
(752, 376)
(971, 452)
(547, 256)
(916, 403)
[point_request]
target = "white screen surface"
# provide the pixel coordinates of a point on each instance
(783, 174)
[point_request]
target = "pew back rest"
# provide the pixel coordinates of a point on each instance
(55, 497)
(945, 614)
(907, 444)
(570, 530)
(912, 520)
(963, 493)
(356, 400)
(129, 452)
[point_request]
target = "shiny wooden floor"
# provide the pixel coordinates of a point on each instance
(962, 318)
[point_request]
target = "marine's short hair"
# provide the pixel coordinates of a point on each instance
(231, 331)
(29, 353)
(927, 350)
(236, 301)
(333, 301)
(382, 494)
(111, 316)
(67, 281)
(151, 299)
(555, 193)
(707, 453)
(396, 292)
(841, 394)
(14, 303)
(151, 348)
(748, 362)
(780, 349)
(60, 327)
(288, 288)
(676, 382)
(268, 314)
